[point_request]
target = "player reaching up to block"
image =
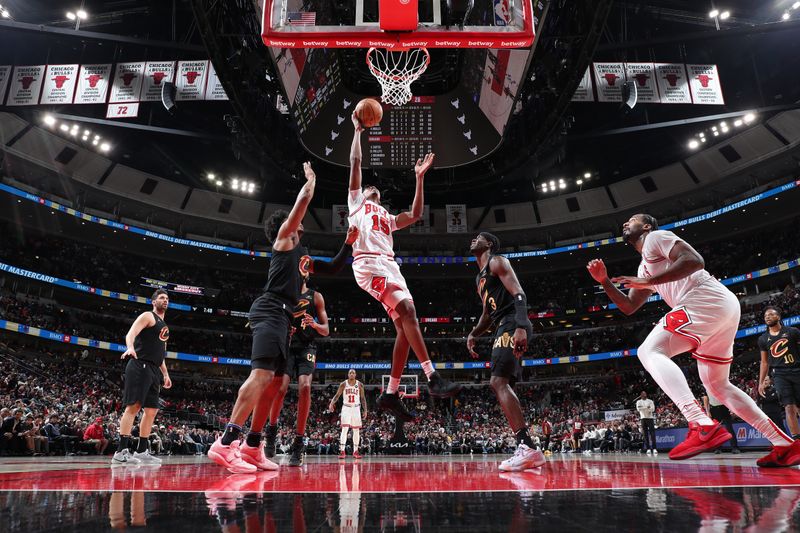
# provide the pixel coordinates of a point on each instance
(354, 398)
(703, 320)
(376, 272)
(506, 308)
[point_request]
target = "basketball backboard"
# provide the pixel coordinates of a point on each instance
(357, 24)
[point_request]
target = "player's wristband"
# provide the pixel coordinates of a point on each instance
(521, 311)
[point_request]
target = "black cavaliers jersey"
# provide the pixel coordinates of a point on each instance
(284, 281)
(497, 301)
(782, 349)
(305, 305)
(151, 343)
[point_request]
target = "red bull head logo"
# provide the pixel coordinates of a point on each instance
(26, 82)
(641, 79)
(127, 78)
(191, 77)
(704, 79)
(672, 79)
(60, 81)
(93, 79)
(158, 77)
(611, 78)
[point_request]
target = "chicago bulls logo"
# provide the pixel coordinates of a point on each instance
(127, 78)
(60, 81)
(611, 79)
(26, 82)
(158, 77)
(677, 320)
(641, 79)
(191, 77)
(379, 284)
(672, 79)
(163, 335)
(93, 79)
(704, 79)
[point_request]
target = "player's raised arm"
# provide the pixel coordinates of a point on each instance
(145, 320)
(355, 155)
(407, 218)
(338, 262)
(298, 212)
(627, 303)
(339, 391)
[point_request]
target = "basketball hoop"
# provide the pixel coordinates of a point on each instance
(396, 70)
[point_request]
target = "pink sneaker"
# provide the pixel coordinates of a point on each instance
(230, 457)
(256, 457)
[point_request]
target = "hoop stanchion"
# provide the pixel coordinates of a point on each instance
(396, 70)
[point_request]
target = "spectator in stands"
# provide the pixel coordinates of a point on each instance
(11, 439)
(95, 435)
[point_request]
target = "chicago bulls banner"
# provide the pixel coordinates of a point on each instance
(5, 75)
(214, 90)
(609, 78)
(92, 84)
(457, 217)
(26, 85)
(191, 80)
(673, 83)
(156, 74)
(339, 221)
(423, 225)
(127, 82)
(585, 91)
(59, 84)
(704, 84)
(644, 76)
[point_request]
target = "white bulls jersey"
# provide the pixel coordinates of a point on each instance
(352, 394)
(375, 226)
(655, 260)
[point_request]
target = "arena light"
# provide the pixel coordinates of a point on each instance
(552, 184)
(748, 118)
(725, 15)
(693, 144)
(251, 188)
(796, 5)
(50, 120)
(235, 184)
(5, 13)
(713, 128)
(105, 147)
(83, 15)
(64, 127)
(219, 183)
(738, 122)
(562, 185)
(786, 16)
(587, 175)
(579, 182)
(702, 139)
(716, 134)
(714, 13)
(95, 142)
(211, 177)
(71, 15)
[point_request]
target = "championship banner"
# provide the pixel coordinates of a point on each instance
(59, 84)
(673, 84)
(644, 76)
(191, 80)
(423, 225)
(26, 85)
(156, 74)
(609, 78)
(127, 82)
(456, 218)
(339, 221)
(5, 75)
(585, 91)
(704, 84)
(214, 89)
(93, 84)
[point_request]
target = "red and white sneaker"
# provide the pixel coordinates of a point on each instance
(342, 454)
(700, 439)
(256, 457)
(357, 455)
(781, 456)
(230, 457)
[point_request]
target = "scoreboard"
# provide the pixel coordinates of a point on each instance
(404, 135)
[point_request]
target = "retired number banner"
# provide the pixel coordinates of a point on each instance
(456, 218)
(339, 221)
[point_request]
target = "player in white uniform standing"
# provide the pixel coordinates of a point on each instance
(378, 274)
(353, 391)
(703, 320)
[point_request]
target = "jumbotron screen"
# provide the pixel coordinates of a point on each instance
(460, 127)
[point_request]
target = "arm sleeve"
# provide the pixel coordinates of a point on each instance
(659, 244)
(338, 262)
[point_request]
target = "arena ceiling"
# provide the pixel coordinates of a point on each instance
(757, 52)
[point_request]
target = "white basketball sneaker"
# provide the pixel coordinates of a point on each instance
(146, 458)
(523, 459)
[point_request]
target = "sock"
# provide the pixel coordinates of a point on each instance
(253, 439)
(524, 438)
(272, 431)
(143, 444)
(231, 434)
(124, 442)
(394, 384)
(343, 438)
(427, 367)
(356, 439)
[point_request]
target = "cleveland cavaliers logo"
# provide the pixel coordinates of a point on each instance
(779, 348)
(305, 265)
(301, 308)
(163, 335)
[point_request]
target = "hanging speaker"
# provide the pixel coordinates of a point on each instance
(629, 94)
(168, 91)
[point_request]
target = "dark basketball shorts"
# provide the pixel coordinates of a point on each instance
(504, 363)
(788, 386)
(302, 361)
(142, 383)
(271, 334)
(719, 412)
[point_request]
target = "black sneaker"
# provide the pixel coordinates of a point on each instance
(392, 403)
(438, 387)
(269, 444)
(298, 453)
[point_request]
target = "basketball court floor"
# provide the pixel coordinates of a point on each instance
(441, 493)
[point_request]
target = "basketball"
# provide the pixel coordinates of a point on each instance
(369, 112)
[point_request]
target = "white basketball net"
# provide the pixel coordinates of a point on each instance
(396, 70)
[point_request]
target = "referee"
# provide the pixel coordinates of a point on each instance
(647, 410)
(780, 354)
(146, 344)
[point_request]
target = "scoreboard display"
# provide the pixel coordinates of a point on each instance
(404, 135)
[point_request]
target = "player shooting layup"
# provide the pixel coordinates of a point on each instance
(377, 273)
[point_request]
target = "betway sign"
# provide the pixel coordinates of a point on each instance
(368, 40)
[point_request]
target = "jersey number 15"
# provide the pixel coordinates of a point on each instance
(380, 224)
